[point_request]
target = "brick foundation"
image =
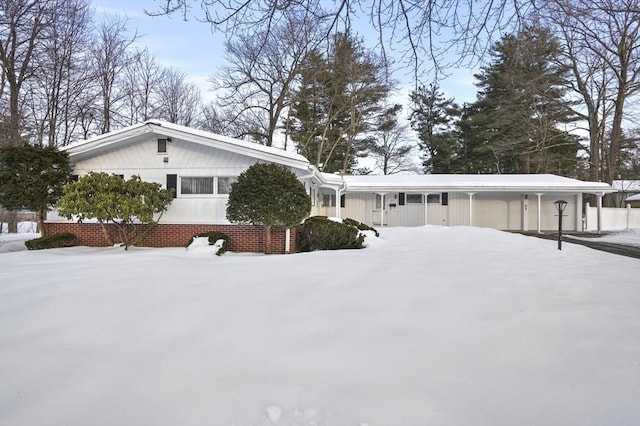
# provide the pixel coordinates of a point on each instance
(242, 238)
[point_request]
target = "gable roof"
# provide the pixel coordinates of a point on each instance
(175, 131)
(472, 183)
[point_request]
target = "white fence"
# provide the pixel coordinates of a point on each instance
(613, 219)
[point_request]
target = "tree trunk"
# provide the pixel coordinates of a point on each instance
(12, 222)
(267, 239)
(41, 215)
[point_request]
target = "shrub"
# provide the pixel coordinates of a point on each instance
(64, 239)
(268, 195)
(361, 226)
(320, 233)
(110, 198)
(213, 236)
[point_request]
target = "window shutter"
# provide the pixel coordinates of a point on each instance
(172, 183)
(445, 198)
(343, 200)
(401, 198)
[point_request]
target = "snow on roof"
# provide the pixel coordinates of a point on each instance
(187, 133)
(633, 198)
(626, 185)
(443, 182)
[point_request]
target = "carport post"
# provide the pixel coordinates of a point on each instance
(539, 194)
(426, 207)
(471, 194)
(599, 196)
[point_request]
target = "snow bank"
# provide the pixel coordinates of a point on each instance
(427, 326)
(628, 237)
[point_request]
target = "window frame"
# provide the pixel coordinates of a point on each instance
(232, 179)
(215, 185)
(162, 142)
(197, 194)
(431, 198)
(332, 200)
(410, 199)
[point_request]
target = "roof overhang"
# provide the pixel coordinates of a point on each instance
(473, 183)
(136, 132)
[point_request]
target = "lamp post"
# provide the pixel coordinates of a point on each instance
(560, 206)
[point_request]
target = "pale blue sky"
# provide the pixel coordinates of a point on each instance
(192, 48)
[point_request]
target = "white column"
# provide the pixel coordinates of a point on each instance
(287, 241)
(524, 212)
(539, 194)
(338, 203)
(579, 212)
(471, 194)
(426, 207)
(599, 196)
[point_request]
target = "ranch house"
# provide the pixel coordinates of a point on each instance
(200, 167)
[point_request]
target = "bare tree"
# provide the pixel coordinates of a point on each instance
(602, 45)
(21, 23)
(263, 68)
(142, 78)
(61, 74)
(411, 29)
(111, 56)
(390, 148)
(178, 100)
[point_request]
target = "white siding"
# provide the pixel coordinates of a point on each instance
(504, 210)
(185, 159)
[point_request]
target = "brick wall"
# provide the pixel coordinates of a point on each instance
(242, 238)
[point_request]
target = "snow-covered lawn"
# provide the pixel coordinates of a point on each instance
(427, 326)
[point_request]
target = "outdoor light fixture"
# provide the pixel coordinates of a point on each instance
(560, 206)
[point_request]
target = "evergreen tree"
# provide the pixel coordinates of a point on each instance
(111, 199)
(521, 104)
(339, 97)
(32, 177)
(433, 118)
(474, 156)
(268, 195)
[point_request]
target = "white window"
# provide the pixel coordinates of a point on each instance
(224, 184)
(414, 198)
(206, 185)
(196, 185)
(328, 200)
(433, 199)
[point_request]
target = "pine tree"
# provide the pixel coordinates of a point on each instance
(32, 177)
(521, 103)
(433, 118)
(340, 95)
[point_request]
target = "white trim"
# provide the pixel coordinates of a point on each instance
(177, 132)
(471, 194)
(539, 194)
